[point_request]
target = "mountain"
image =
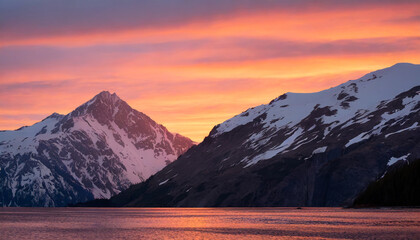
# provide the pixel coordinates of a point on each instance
(301, 149)
(99, 149)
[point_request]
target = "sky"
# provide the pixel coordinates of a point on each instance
(191, 64)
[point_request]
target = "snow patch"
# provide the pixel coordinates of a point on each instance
(319, 150)
(161, 183)
(358, 138)
(412, 127)
(273, 152)
(393, 160)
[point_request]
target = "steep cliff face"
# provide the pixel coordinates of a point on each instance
(95, 151)
(312, 149)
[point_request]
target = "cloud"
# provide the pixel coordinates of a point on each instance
(202, 51)
(34, 117)
(36, 85)
(409, 19)
(260, 49)
(34, 18)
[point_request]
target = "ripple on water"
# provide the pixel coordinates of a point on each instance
(209, 223)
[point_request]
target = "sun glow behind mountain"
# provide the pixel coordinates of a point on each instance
(191, 65)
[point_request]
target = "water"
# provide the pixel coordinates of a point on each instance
(208, 223)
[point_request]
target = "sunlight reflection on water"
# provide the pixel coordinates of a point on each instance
(208, 223)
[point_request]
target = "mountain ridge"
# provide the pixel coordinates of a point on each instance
(369, 76)
(315, 149)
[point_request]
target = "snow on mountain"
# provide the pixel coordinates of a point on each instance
(301, 149)
(97, 150)
(344, 105)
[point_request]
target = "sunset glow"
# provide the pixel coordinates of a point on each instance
(193, 68)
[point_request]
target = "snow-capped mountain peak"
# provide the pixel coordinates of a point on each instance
(106, 98)
(104, 103)
(100, 148)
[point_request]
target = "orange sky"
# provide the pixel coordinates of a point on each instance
(189, 71)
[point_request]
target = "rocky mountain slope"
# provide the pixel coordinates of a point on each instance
(95, 151)
(301, 149)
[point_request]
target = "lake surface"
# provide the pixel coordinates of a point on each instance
(208, 223)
